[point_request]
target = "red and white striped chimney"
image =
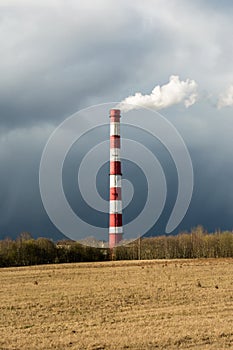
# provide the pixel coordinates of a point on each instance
(115, 200)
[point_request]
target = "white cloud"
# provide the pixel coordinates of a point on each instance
(174, 92)
(226, 98)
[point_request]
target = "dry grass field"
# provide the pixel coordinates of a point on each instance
(178, 304)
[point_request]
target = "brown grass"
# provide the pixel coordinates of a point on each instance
(178, 304)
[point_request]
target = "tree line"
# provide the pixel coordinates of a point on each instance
(197, 244)
(29, 251)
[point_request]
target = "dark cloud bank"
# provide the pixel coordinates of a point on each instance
(58, 59)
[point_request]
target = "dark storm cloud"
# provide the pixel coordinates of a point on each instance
(60, 56)
(208, 138)
(20, 199)
(58, 59)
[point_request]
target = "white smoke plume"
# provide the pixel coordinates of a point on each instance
(175, 91)
(226, 98)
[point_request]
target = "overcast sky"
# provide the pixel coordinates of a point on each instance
(59, 56)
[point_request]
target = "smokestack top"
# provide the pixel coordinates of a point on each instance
(115, 112)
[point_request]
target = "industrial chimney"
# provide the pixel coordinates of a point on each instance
(115, 200)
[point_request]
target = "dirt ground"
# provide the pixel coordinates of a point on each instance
(159, 304)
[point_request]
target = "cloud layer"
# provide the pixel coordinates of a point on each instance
(226, 98)
(58, 57)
